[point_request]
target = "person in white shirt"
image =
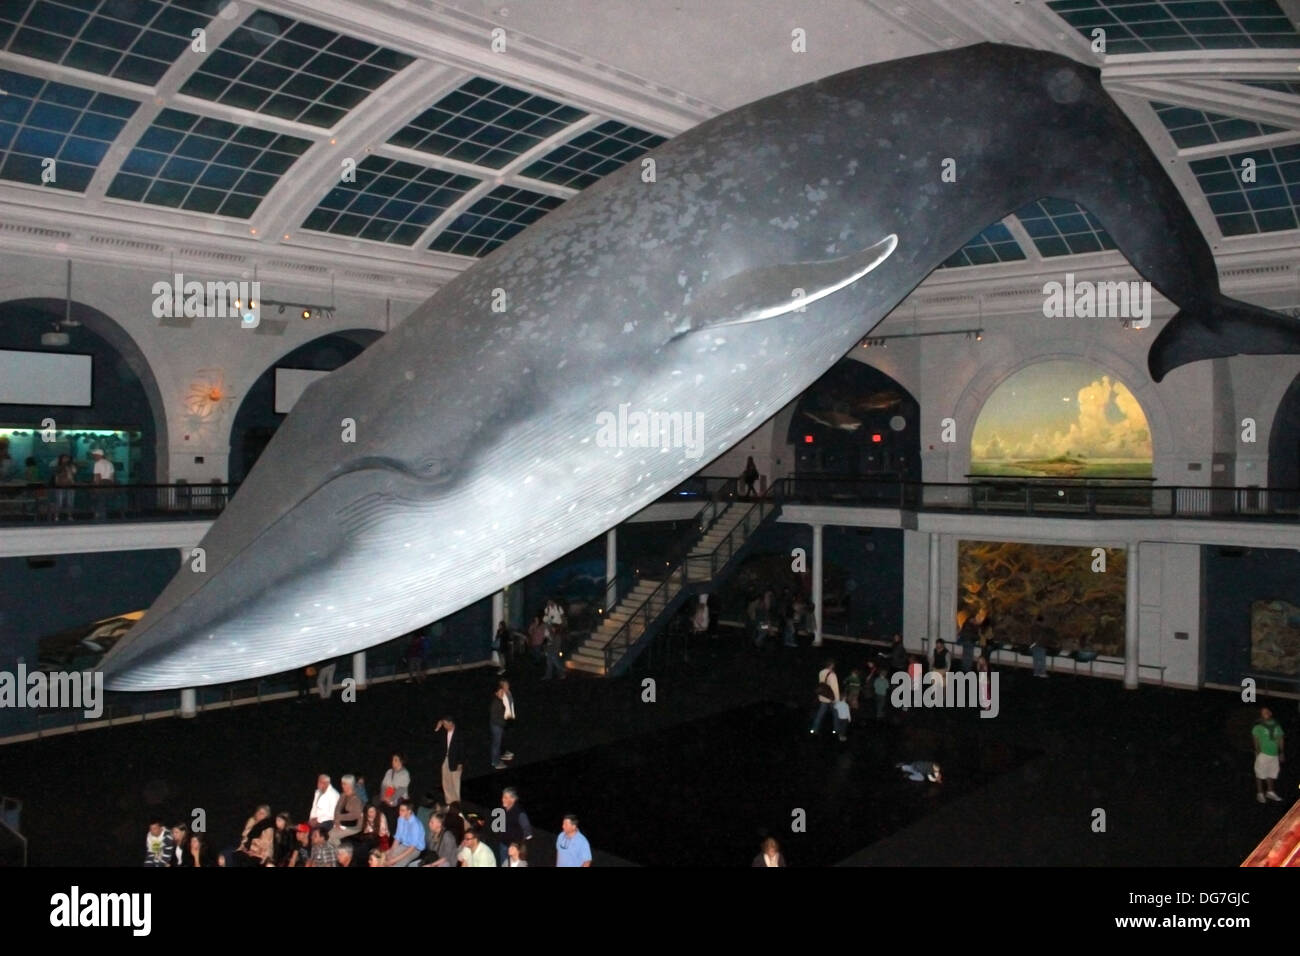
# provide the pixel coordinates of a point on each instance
(323, 804)
(828, 694)
(102, 473)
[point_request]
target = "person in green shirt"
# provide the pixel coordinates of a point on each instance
(1269, 742)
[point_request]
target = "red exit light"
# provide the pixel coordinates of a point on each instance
(875, 438)
(807, 439)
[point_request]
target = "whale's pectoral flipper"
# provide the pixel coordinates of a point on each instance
(769, 291)
(1220, 328)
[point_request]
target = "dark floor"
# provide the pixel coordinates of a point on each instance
(721, 757)
(720, 778)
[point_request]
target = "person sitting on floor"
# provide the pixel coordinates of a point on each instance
(921, 770)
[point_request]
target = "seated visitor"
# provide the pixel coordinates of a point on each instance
(347, 812)
(284, 841)
(301, 851)
(323, 852)
(197, 851)
(180, 855)
(769, 854)
(516, 855)
(256, 844)
(480, 854)
(158, 844)
(408, 841)
(441, 843)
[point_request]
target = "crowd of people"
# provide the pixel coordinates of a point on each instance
(349, 826)
(346, 827)
(873, 686)
(56, 483)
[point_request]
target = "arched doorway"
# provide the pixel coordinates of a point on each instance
(257, 419)
(126, 410)
(856, 422)
(1284, 444)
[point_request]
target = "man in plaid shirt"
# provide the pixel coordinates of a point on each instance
(323, 852)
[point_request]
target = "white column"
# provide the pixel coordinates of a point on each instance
(817, 585)
(932, 625)
(359, 669)
(189, 702)
(1131, 618)
(611, 569)
(498, 611)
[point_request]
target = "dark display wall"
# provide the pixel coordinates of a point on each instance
(862, 584)
(46, 595)
(1235, 579)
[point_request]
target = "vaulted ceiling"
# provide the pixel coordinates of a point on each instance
(410, 138)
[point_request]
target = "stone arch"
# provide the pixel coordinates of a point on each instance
(255, 421)
(990, 378)
(129, 354)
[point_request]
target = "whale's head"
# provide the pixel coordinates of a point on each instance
(324, 550)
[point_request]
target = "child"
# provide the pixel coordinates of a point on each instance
(853, 688)
(880, 686)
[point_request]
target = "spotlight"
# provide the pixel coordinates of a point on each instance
(979, 335)
(306, 313)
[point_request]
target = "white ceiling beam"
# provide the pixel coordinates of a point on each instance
(995, 21)
(1022, 236)
(1143, 116)
(508, 175)
(404, 96)
(1203, 65)
(166, 89)
(1239, 145)
(465, 41)
(1227, 99)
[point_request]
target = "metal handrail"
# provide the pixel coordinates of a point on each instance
(28, 503)
(658, 600)
(1050, 497)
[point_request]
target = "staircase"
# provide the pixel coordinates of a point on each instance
(727, 525)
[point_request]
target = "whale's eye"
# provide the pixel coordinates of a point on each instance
(430, 467)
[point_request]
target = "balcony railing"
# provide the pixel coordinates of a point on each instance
(35, 504)
(1048, 497)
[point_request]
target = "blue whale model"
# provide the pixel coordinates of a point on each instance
(770, 241)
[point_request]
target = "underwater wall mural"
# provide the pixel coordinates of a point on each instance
(1007, 586)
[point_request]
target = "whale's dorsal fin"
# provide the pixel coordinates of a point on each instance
(768, 291)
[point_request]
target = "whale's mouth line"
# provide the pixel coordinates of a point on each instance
(428, 474)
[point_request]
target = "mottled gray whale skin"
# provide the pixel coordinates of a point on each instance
(476, 458)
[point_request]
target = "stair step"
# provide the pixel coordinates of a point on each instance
(597, 669)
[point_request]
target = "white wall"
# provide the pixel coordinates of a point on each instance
(1169, 603)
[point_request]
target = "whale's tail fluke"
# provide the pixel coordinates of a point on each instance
(1220, 328)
